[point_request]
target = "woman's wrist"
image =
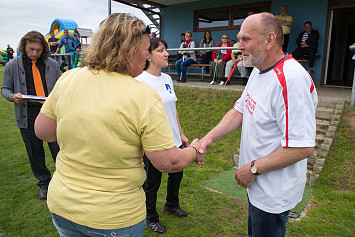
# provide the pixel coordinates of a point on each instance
(195, 151)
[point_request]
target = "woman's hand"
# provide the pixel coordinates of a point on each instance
(201, 156)
(184, 140)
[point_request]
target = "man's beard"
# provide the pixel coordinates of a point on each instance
(253, 61)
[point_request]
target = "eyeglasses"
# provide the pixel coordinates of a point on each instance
(188, 35)
(146, 30)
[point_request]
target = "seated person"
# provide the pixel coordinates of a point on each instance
(188, 57)
(220, 58)
(207, 42)
(236, 58)
(307, 42)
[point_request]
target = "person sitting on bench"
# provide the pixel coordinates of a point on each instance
(188, 57)
(207, 42)
(307, 42)
(236, 58)
(219, 59)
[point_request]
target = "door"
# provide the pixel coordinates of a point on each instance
(340, 66)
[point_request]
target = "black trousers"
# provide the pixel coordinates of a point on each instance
(305, 53)
(152, 185)
(35, 151)
(286, 39)
(206, 57)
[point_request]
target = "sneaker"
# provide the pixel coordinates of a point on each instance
(311, 70)
(222, 83)
(157, 227)
(212, 83)
(177, 211)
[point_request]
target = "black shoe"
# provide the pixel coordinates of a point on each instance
(228, 83)
(177, 211)
(157, 227)
(182, 80)
(42, 194)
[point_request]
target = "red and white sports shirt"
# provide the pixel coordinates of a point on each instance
(278, 107)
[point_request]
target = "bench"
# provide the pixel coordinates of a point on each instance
(172, 60)
(307, 60)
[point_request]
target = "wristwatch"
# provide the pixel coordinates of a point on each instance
(253, 169)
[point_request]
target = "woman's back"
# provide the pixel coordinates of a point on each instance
(101, 124)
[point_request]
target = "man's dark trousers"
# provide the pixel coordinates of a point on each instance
(305, 53)
(152, 185)
(34, 147)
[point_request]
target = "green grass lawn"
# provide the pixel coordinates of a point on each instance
(332, 211)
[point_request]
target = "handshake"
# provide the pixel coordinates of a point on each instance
(200, 146)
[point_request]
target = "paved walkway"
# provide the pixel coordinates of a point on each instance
(323, 91)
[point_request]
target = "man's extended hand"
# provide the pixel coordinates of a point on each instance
(205, 144)
(200, 157)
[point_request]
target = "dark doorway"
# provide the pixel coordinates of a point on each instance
(340, 65)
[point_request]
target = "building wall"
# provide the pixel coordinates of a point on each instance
(179, 18)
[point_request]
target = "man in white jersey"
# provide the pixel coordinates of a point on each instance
(277, 114)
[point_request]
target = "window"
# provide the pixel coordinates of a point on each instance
(227, 18)
(213, 19)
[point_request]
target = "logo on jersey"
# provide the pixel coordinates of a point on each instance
(278, 71)
(168, 88)
(250, 104)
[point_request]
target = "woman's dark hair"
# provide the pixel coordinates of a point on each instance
(154, 43)
(34, 37)
(205, 40)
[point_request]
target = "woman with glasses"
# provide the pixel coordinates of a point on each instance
(207, 42)
(104, 120)
(220, 58)
(188, 57)
(163, 84)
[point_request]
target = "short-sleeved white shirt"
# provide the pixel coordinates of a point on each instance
(278, 107)
(163, 84)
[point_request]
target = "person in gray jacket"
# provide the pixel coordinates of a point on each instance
(188, 57)
(32, 73)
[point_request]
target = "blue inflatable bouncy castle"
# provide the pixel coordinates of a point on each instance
(59, 25)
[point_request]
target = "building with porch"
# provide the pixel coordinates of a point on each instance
(334, 20)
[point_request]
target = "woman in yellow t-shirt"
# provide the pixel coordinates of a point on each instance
(104, 120)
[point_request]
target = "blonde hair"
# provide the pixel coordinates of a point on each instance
(115, 43)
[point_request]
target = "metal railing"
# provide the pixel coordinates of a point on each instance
(202, 49)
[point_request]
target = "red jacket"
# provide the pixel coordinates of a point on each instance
(225, 57)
